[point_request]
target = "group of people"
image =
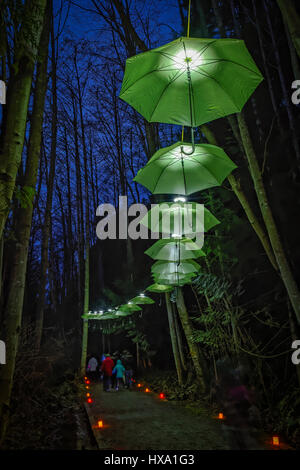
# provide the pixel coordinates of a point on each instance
(115, 376)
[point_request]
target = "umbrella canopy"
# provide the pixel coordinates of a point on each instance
(159, 288)
(167, 217)
(172, 249)
(142, 300)
(190, 81)
(170, 171)
(169, 267)
(174, 279)
(129, 308)
(119, 313)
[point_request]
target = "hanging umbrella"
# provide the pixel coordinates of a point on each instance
(142, 299)
(172, 249)
(190, 81)
(169, 267)
(119, 313)
(170, 171)
(159, 288)
(174, 279)
(129, 308)
(168, 217)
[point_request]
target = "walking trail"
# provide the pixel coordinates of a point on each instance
(134, 420)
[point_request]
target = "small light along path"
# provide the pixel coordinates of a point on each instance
(135, 420)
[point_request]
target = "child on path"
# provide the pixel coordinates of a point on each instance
(119, 369)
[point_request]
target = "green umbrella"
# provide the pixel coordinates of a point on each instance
(174, 279)
(142, 299)
(182, 217)
(159, 288)
(190, 81)
(172, 249)
(119, 313)
(169, 267)
(170, 171)
(130, 307)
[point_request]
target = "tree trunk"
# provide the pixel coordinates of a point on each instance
(173, 338)
(282, 262)
(188, 330)
(236, 187)
(15, 295)
(292, 19)
(27, 43)
(50, 186)
(179, 339)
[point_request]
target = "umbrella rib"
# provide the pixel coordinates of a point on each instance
(230, 62)
(173, 80)
(169, 164)
(213, 78)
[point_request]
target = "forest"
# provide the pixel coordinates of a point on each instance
(89, 139)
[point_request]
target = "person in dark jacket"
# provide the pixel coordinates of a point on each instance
(107, 368)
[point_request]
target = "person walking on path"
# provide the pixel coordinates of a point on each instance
(119, 370)
(107, 368)
(92, 368)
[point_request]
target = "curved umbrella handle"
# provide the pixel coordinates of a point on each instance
(193, 144)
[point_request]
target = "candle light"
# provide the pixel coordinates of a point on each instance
(275, 441)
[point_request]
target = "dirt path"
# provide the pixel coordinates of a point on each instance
(140, 421)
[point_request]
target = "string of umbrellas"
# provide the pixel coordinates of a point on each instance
(188, 82)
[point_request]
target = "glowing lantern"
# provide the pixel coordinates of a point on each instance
(275, 441)
(162, 396)
(221, 416)
(85, 378)
(88, 394)
(139, 385)
(147, 390)
(87, 387)
(88, 382)
(100, 424)
(89, 400)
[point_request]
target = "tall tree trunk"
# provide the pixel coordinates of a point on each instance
(179, 338)
(50, 186)
(26, 49)
(282, 262)
(288, 104)
(14, 304)
(188, 330)
(292, 19)
(173, 338)
(238, 191)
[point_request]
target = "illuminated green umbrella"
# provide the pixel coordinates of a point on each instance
(130, 307)
(119, 313)
(174, 279)
(190, 81)
(142, 299)
(172, 249)
(168, 217)
(170, 171)
(169, 267)
(159, 288)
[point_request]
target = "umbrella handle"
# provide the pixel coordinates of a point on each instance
(193, 144)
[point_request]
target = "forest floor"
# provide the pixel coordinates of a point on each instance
(134, 420)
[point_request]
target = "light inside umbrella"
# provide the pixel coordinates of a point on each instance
(142, 295)
(188, 58)
(175, 235)
(180, 199)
